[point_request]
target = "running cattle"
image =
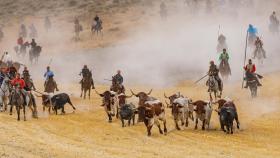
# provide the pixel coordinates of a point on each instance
(151, 110)
(203, 111)
(120, 101)
(182, 110)
(222, 103)
(227, 115)
(56, 102)
(127, 112)
(108, 103)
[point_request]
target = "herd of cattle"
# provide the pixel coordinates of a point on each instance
(152, 111)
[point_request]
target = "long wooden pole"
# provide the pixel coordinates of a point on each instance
(245, 56)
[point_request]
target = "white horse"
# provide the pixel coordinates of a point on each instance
(4, 94)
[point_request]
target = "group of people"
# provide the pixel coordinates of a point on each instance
(33, 33)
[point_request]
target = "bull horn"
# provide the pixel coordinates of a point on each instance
(129, 96)
(150, 92)
(165, 96)
(132, 92)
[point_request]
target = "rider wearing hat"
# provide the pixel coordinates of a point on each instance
(250, 70)
(86, 73)
(214, 71)
(118, 77)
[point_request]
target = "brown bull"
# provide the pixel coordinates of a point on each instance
(203, 111)
(108, 103)
(151, 110)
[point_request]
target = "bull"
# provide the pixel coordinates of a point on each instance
(228, 104)
(182, 110)
(203, 111)
(151, 110)
(108, 103)
(56, 102)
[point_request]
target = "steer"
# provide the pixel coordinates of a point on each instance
(181, 109)
(120, 101)
(228, 103)
(227, 115)
(151, 110)
(56, 102)
(203, 111)
(108, 103)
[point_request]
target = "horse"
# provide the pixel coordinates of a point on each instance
(22, 50)
(86, 85)
(116, 87)
(97, 28)
(213, 87)
(225, 70)
(252, 84)
(4, 93)
(34, 54)
(259, 53)
(50, 85)
(78, 28)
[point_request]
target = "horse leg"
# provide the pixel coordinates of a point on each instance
(85, 92)
(11, 110)
(18, 112)
(81, 91)
(24, 117)
(89, 93)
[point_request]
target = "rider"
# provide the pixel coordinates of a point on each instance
(259, 47)
(23, 31)
(20, 41)
(224, 56)
(12, 71)
(33, 43)
(250, 69)
(214, 71)
(48, 74)
(7, 58)
(221, 39)
(86, 73)
(48, 23)
(17, 81)
(252, 31)
(2, 75)
(118, 78)
(273, 19)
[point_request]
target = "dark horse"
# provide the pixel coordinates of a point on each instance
(116, 87)
(86, 85)
(225, 69)
(34, 54)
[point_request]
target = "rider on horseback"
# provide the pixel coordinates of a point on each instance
(259, 47)
(118, 78)
(27, 79)
(224, 56)
(17, 81)
(214, 71)
(33, 43)
(250, 69)
(273, 19)
(7, 58)
(86, 73)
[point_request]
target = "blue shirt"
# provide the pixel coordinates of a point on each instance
(48, 74)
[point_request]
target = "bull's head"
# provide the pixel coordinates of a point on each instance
(171, 99)
(142, 96)
(107, 98)
(122, 98)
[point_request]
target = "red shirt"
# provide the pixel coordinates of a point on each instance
(19, 81)
(251, 68)
(20, 41)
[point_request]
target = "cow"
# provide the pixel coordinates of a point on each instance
(203, 111)
(127, 112)
(227, 115)
(120, 101)
(56, 102)
(182, 110)
(108, 103)
(228, 103)
(152, 110)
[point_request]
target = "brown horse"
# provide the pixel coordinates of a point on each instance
(86, 85)
(50, 85)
